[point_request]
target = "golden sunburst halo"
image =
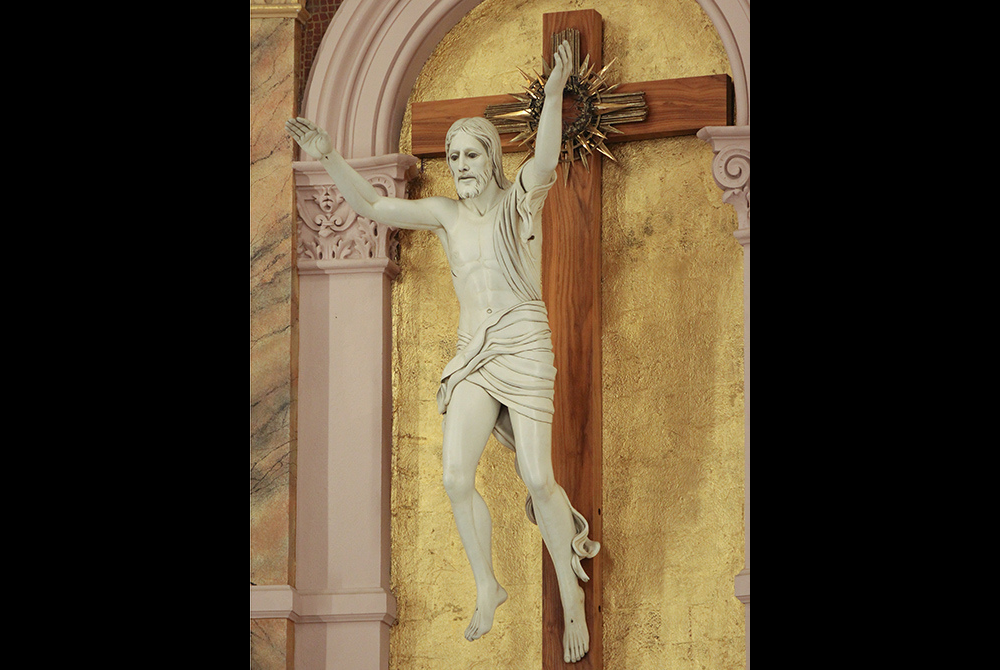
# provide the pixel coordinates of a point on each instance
(598, 108)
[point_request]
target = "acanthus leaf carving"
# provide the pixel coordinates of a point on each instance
(330, 230)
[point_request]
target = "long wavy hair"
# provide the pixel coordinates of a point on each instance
(487, 134)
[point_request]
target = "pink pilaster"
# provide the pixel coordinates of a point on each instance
(346, 264)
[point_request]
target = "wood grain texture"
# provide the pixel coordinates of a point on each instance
(430, 121)
(571, 283)
(679, 107)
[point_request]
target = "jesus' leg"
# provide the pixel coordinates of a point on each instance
(467, 426)
(555, 521)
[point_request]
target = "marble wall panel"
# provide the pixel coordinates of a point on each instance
(272, 301)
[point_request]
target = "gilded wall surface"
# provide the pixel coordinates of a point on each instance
(673, 380)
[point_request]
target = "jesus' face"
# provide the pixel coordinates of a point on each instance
(470, 165)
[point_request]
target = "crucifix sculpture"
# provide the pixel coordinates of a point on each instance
(512, 338)
(571, 252)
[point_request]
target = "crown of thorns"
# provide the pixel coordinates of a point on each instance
(598, 109)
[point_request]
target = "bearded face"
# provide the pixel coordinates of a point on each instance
(470, 165)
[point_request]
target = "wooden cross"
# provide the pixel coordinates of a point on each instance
(571, 283)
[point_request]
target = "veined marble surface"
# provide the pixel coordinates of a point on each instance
(272, 300)
(272, 326)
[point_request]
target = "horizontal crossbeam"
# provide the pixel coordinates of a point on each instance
(675, 107)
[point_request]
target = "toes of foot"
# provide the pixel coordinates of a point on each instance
(576, 648)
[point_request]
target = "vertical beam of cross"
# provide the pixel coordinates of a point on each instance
(571, 285)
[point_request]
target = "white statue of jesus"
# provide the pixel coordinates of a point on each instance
(501, 381)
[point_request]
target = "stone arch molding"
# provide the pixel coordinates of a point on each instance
(374, 50)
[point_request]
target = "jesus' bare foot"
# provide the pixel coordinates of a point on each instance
(576, 638)
(486, 605)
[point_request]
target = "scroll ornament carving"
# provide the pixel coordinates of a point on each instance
(330, 230)
(731, 170)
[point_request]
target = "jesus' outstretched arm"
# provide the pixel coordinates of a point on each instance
(548, 141)
(359, 194)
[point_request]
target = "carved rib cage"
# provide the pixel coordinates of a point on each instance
(598, 108)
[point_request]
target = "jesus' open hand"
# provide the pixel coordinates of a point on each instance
(314, 140)
(562, 68)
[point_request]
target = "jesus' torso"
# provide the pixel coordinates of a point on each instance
(476, 272)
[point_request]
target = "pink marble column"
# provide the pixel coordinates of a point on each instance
(273, 327)
(343, 606)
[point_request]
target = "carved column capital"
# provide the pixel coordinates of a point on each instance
(731, 170)
(331, 236)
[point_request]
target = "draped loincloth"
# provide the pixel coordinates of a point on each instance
(510, 357)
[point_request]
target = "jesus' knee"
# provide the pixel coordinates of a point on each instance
(541, 486)
(458, 483)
